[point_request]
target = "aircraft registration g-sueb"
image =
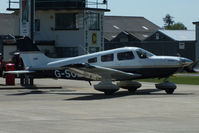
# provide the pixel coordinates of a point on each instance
(122, 65)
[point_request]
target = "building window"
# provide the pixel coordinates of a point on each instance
(157, 37)
(124, 39)
(92, 60)
(65, 21)
(107, 58)
(181, 45)
(37, 25)
(125, 56)
(94, 21)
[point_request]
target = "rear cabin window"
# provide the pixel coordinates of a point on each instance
(92, 60)
(107, 58)
(125, 56)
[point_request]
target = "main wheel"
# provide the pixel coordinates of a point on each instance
(169, 91)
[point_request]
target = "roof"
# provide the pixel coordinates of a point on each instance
(180, 35)
(139, 27)
(196, 22)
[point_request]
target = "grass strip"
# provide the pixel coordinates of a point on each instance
(190, 80)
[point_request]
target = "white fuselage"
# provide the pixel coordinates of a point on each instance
(128, 59)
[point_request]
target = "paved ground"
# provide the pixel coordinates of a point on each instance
(77, 108)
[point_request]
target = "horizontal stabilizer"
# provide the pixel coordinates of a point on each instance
(19, 72)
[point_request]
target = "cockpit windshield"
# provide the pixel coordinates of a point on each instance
(143, 53)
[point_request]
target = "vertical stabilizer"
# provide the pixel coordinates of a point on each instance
(31, 55)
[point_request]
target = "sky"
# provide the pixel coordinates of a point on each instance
(185, 11)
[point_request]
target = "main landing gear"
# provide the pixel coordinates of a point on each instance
(169, 87)
(26, 80)
(107, 87)
(131, 86)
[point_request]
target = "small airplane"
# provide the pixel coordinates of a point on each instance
(122, 65)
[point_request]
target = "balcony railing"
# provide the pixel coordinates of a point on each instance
(63, 4)
(13, 4)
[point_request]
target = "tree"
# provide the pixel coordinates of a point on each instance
(176, 26)
(168, 20)
(169, 24)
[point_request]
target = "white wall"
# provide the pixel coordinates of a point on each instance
(80, 38)
(63, 38)
(9, 24)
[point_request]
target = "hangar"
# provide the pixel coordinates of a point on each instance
(172, 42)
(120, 31)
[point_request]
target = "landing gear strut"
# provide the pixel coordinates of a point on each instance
(169, 87)
(26, 80)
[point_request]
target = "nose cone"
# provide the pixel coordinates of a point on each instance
(185, 61)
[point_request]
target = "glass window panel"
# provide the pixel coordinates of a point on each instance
(65, 21)
(92, 60)
(94, 21)
(107, 58)
(125, 56)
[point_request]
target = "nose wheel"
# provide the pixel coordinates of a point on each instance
(167, 86)
(169, 91)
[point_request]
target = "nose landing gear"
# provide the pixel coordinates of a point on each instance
(169, 87)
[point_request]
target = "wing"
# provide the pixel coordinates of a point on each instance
(98, 72)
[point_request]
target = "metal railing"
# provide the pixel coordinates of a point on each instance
(13, 4)
(98, 4)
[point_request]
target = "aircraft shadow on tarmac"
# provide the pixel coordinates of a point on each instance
(91, 96)
(95, 96)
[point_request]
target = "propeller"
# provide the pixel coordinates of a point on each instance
(192, 67)
(186, 64)
(195, 66)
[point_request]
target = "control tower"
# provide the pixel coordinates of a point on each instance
(66, 28)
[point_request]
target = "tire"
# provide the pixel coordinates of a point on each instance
(169, 91)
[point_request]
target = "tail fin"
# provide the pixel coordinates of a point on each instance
(26, 44)
(31, 55)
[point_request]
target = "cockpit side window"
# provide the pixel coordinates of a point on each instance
(92, 60)
(143, 54)
(125, 55)
(107, 58)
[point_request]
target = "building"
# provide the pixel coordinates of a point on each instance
(197, 39)
(120, 31)
(123, 31)
(172, 43)
(9, 24)
(67, 28)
